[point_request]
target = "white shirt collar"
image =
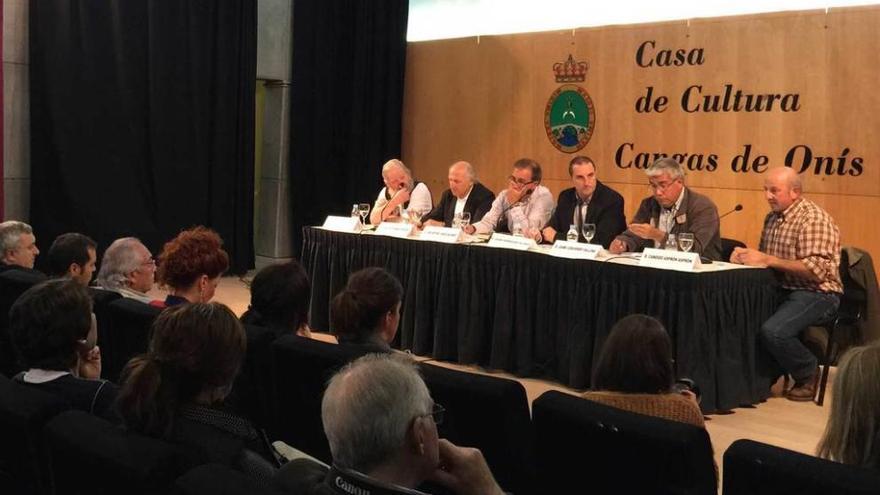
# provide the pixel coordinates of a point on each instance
(36, 375)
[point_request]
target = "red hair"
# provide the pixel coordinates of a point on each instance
(194, 252)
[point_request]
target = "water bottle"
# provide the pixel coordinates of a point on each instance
(572, 234)
(354, 211)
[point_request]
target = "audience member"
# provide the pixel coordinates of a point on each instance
(465, 195)
(852, 435)
(280, 297)
(190, 266)
(176, 390)
(400, 191)
(635, 373)
(54, 333)
(589, 201)
(381, 423)
(19, 246)
(523, 208)
(128, 268)
(673, 208)
(73, 255)
(367, 312)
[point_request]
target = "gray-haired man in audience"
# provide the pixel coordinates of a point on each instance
(128, 268)
(381, 423)
(18, 244)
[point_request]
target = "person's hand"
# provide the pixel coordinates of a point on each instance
(646, 231)
(617, 246)
(464, 471)
(469, 229)
(90, 364)
(402, 196)
(549, 234)
(533, 234)
(514, 196)
(434, 223)
(750, 257)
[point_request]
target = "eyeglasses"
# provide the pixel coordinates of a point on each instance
(662, 186)
(514, 180)
(436, 413)
(149, 262)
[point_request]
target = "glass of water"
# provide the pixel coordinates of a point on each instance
(686, 241)
(465, 219)
(589, 231)
(363, 211)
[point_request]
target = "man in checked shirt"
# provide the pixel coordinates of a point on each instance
(802, 243)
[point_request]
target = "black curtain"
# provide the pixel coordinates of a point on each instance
(346, 103)
(142, 120)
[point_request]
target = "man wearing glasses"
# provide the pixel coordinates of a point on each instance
(523, 208)
(128, 268)
(381, 424)
(673, 208)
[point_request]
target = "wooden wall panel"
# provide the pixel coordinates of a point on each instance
(483, 99)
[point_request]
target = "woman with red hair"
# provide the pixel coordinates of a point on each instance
(190, 266)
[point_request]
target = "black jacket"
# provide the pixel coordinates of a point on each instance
(478, 204)
(605, 210)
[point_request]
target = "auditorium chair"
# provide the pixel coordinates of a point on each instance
(13, 283)
(101, 299)
(253, 393)
(754, 468)
(302, 369)
(489, 413)
(124, 334)
(215, 479)
(24, 410)
(587, 447)
(91, 456)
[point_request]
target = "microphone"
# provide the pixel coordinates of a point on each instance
(735, 208)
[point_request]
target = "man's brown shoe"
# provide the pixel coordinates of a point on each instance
(804, 391)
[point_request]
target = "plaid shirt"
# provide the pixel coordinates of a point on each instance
(807, 233)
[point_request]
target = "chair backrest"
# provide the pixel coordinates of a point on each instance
(302, 369)
(253, 392)
(13, 283)
(124, 334)
(489, 413)
(727, 246)
(755, 468)
(216, 479)
(587, 447)
(23, 413)
(92, 456)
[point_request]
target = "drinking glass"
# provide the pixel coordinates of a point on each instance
(363, 211)
(589, 231)
(686, 241)
(671, 242)
(465, 219)
(456, 221)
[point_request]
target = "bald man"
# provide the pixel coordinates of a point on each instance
(464, 194)
(801, 242)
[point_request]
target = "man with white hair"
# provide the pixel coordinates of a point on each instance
(801, 241)
(673, 208)
(128, 268)
(400, 191)
(381, 423)
(465, 194)
(18, 245)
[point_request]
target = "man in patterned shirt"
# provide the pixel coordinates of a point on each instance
(523, 208)
(800, 241)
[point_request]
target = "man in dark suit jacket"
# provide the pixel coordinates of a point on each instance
(463, 188)
(18, 246)
(589, 201)
(672, 209)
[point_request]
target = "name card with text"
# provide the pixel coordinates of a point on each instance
(448, 235)
(670, 260)
(351, 225)
(508, 241)
(575, 250)
(395, 229)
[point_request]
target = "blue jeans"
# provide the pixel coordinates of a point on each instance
(781, 332)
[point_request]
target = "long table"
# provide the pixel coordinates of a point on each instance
(536, 315)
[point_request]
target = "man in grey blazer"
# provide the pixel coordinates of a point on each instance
(672, 209)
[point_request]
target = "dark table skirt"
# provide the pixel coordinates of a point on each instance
(541, 316)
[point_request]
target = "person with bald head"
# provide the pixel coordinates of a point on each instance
(465, 194)
(801, 242)
(400, 191)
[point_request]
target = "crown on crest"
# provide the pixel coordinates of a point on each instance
(570, 71)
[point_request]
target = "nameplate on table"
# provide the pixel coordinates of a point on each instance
(670, 260)
(508, 241)
(435, 233)
(395, 229)
(351, 225)
(575, 250)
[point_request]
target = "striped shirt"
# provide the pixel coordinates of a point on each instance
(807, 233)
